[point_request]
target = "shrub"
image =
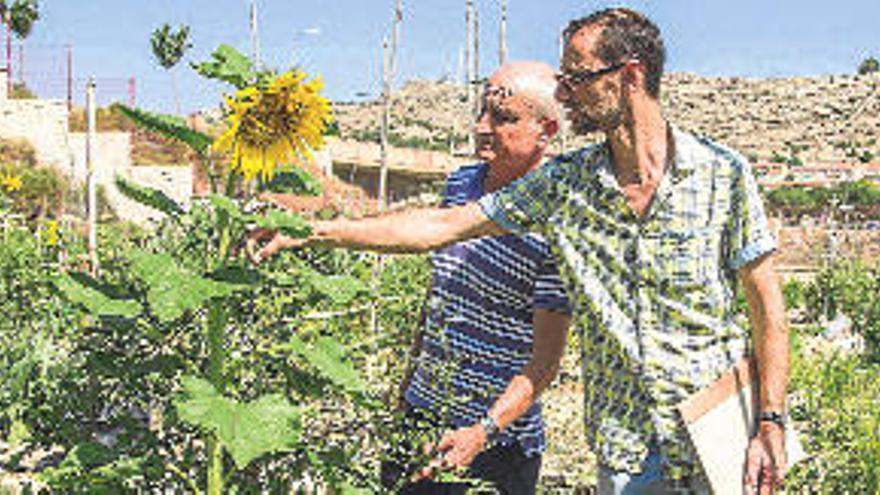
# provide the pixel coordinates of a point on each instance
(834, 407)
(869, 65)
(850, 287)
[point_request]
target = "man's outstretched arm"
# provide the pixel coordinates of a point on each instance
(408, 231)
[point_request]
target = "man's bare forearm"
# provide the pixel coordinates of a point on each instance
(408, 231)
(770, 332)
(551, 330)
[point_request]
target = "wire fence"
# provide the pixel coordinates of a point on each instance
(49, 72)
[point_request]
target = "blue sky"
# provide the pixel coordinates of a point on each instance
(341, 39)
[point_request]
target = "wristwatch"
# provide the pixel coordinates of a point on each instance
(490, 427)
(773, 417)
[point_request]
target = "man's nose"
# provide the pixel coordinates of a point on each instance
(481, 126)
(562, 93)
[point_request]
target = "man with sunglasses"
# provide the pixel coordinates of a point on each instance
(652, 229)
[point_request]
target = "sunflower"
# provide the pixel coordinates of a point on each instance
(10, 182)
(272, 124)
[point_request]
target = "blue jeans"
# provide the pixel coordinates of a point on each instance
(649, 482)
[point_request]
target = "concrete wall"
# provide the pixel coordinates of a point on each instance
(43, 123)
(112, 158)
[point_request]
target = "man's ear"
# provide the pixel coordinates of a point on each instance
(634, 75)
(549, 128)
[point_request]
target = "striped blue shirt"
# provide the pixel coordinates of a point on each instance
(478, 334)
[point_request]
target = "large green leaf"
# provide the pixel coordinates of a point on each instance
(294, 180)
(287, 223)
(339, 289)
(173, 290)
(169, 126)
(229, 65)
(94, 300)
(153, 198)
(246, 430)
(225, 204)
(327, 356)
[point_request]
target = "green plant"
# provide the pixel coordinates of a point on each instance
(240, 379)
(833, 406)
(869, 66)
(168, 47)
(850, 287)
(19, 15)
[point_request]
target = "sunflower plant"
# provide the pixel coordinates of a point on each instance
(192, 283)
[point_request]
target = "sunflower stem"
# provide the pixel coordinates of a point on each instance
(215, 325)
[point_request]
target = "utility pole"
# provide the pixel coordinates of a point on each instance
(476, 51)
(69, 78)
(469, 82)
(563, 128)
(385, 122)
(7, 20)
(389, 67)
(91, 187)
(502, 35)
(255, 39)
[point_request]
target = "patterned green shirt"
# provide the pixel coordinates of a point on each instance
(653, 295)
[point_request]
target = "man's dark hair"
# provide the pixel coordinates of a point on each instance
(626, 34)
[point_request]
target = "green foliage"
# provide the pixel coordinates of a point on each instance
(294, 180)
(229, 65)
(247, 430)
(168, 45)
(22, 15)
(287, 223)
(153, 198)
(169, 126)
(435, 143)
(850, 287)
(339, 289)
(793, 292)
(834, 406)
(869, 65)
(326, 356)
(94, 300)
(174, 290)
(93, 468)
(20, 91)
(863, 194)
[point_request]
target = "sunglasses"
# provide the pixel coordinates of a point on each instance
(570, 79)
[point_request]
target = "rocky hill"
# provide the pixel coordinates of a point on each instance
(810, 119)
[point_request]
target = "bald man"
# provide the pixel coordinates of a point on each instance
(497, 316)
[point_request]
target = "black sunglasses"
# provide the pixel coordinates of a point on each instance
(575, 78)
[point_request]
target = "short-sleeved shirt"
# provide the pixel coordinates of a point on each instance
(479, 328)
(653, 296)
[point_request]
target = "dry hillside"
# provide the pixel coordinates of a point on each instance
(816, 119)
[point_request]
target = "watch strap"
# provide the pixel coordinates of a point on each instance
(772, 417)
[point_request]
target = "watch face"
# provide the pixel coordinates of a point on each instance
(489, 427)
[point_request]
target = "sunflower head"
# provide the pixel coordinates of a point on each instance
(275, 123)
